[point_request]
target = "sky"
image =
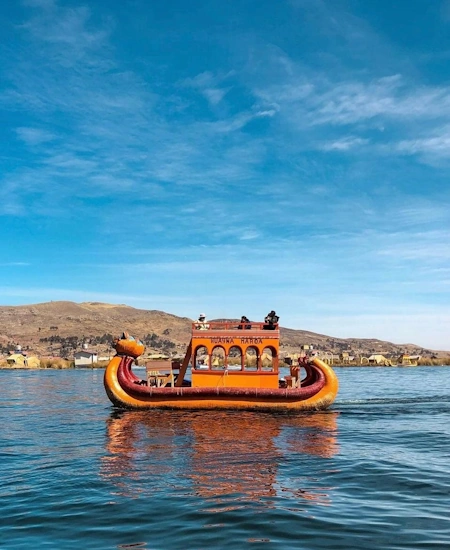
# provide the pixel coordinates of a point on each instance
(231, 158)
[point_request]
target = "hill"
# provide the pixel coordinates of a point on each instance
(61, 328)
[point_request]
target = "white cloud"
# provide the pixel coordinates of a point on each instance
(209, 85)
(249, 235)
(322, 101)
(437, 145)
(214, 95)
(68, 28)
(34, 136)
(344, 144)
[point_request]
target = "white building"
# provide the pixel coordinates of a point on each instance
(85, 358)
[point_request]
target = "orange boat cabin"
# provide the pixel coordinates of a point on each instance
(235, 355)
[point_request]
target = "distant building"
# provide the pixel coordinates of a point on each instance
(85, 358)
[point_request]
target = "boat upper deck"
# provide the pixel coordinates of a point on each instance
(235, 329)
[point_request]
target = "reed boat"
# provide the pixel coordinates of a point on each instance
(406, 360)
(231, 366)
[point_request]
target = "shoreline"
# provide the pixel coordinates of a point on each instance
(59, 367)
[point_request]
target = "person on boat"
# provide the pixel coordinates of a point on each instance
(201, 323)
(271, 321)
(243, 324)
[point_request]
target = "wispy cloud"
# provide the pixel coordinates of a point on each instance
(344, 144)
(34, 136)
(391, 98)
(209, 85)
(431, 146)
(64, 26)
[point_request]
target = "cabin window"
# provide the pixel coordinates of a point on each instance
(235, 358)
(251, 359)
(201, 358)
(218, 358)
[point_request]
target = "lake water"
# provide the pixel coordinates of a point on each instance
(373, 472)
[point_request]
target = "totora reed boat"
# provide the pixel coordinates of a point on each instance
(232, 366)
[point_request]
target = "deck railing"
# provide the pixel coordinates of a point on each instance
(198, 326)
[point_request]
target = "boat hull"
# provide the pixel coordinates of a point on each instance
(318, 392)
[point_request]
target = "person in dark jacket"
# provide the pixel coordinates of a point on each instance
(271, 321)
(243, 324)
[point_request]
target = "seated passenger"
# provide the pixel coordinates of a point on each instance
(201, 323)
(244, 326)
(271, 321)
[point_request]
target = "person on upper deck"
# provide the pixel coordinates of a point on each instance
(201, 323)
(271, 320)
(243, 324)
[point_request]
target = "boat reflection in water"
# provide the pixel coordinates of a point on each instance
(226, 456)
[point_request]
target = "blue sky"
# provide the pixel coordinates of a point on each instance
(232, 158)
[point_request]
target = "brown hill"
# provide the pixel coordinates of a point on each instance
(60, 328)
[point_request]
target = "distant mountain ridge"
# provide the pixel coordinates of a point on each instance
(61, 327)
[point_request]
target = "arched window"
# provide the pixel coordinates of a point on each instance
(251, 359)
(201, 358)
(218, 358)
(267, 359)
(235, 358)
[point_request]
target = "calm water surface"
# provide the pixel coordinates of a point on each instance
(373, 472)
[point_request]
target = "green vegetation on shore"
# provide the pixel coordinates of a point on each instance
(58, 364)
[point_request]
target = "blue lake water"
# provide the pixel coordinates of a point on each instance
(373, 472)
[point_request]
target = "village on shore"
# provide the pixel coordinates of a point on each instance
(62, 334)
(85, 357)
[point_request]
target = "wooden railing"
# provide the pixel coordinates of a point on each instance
(198, 326)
